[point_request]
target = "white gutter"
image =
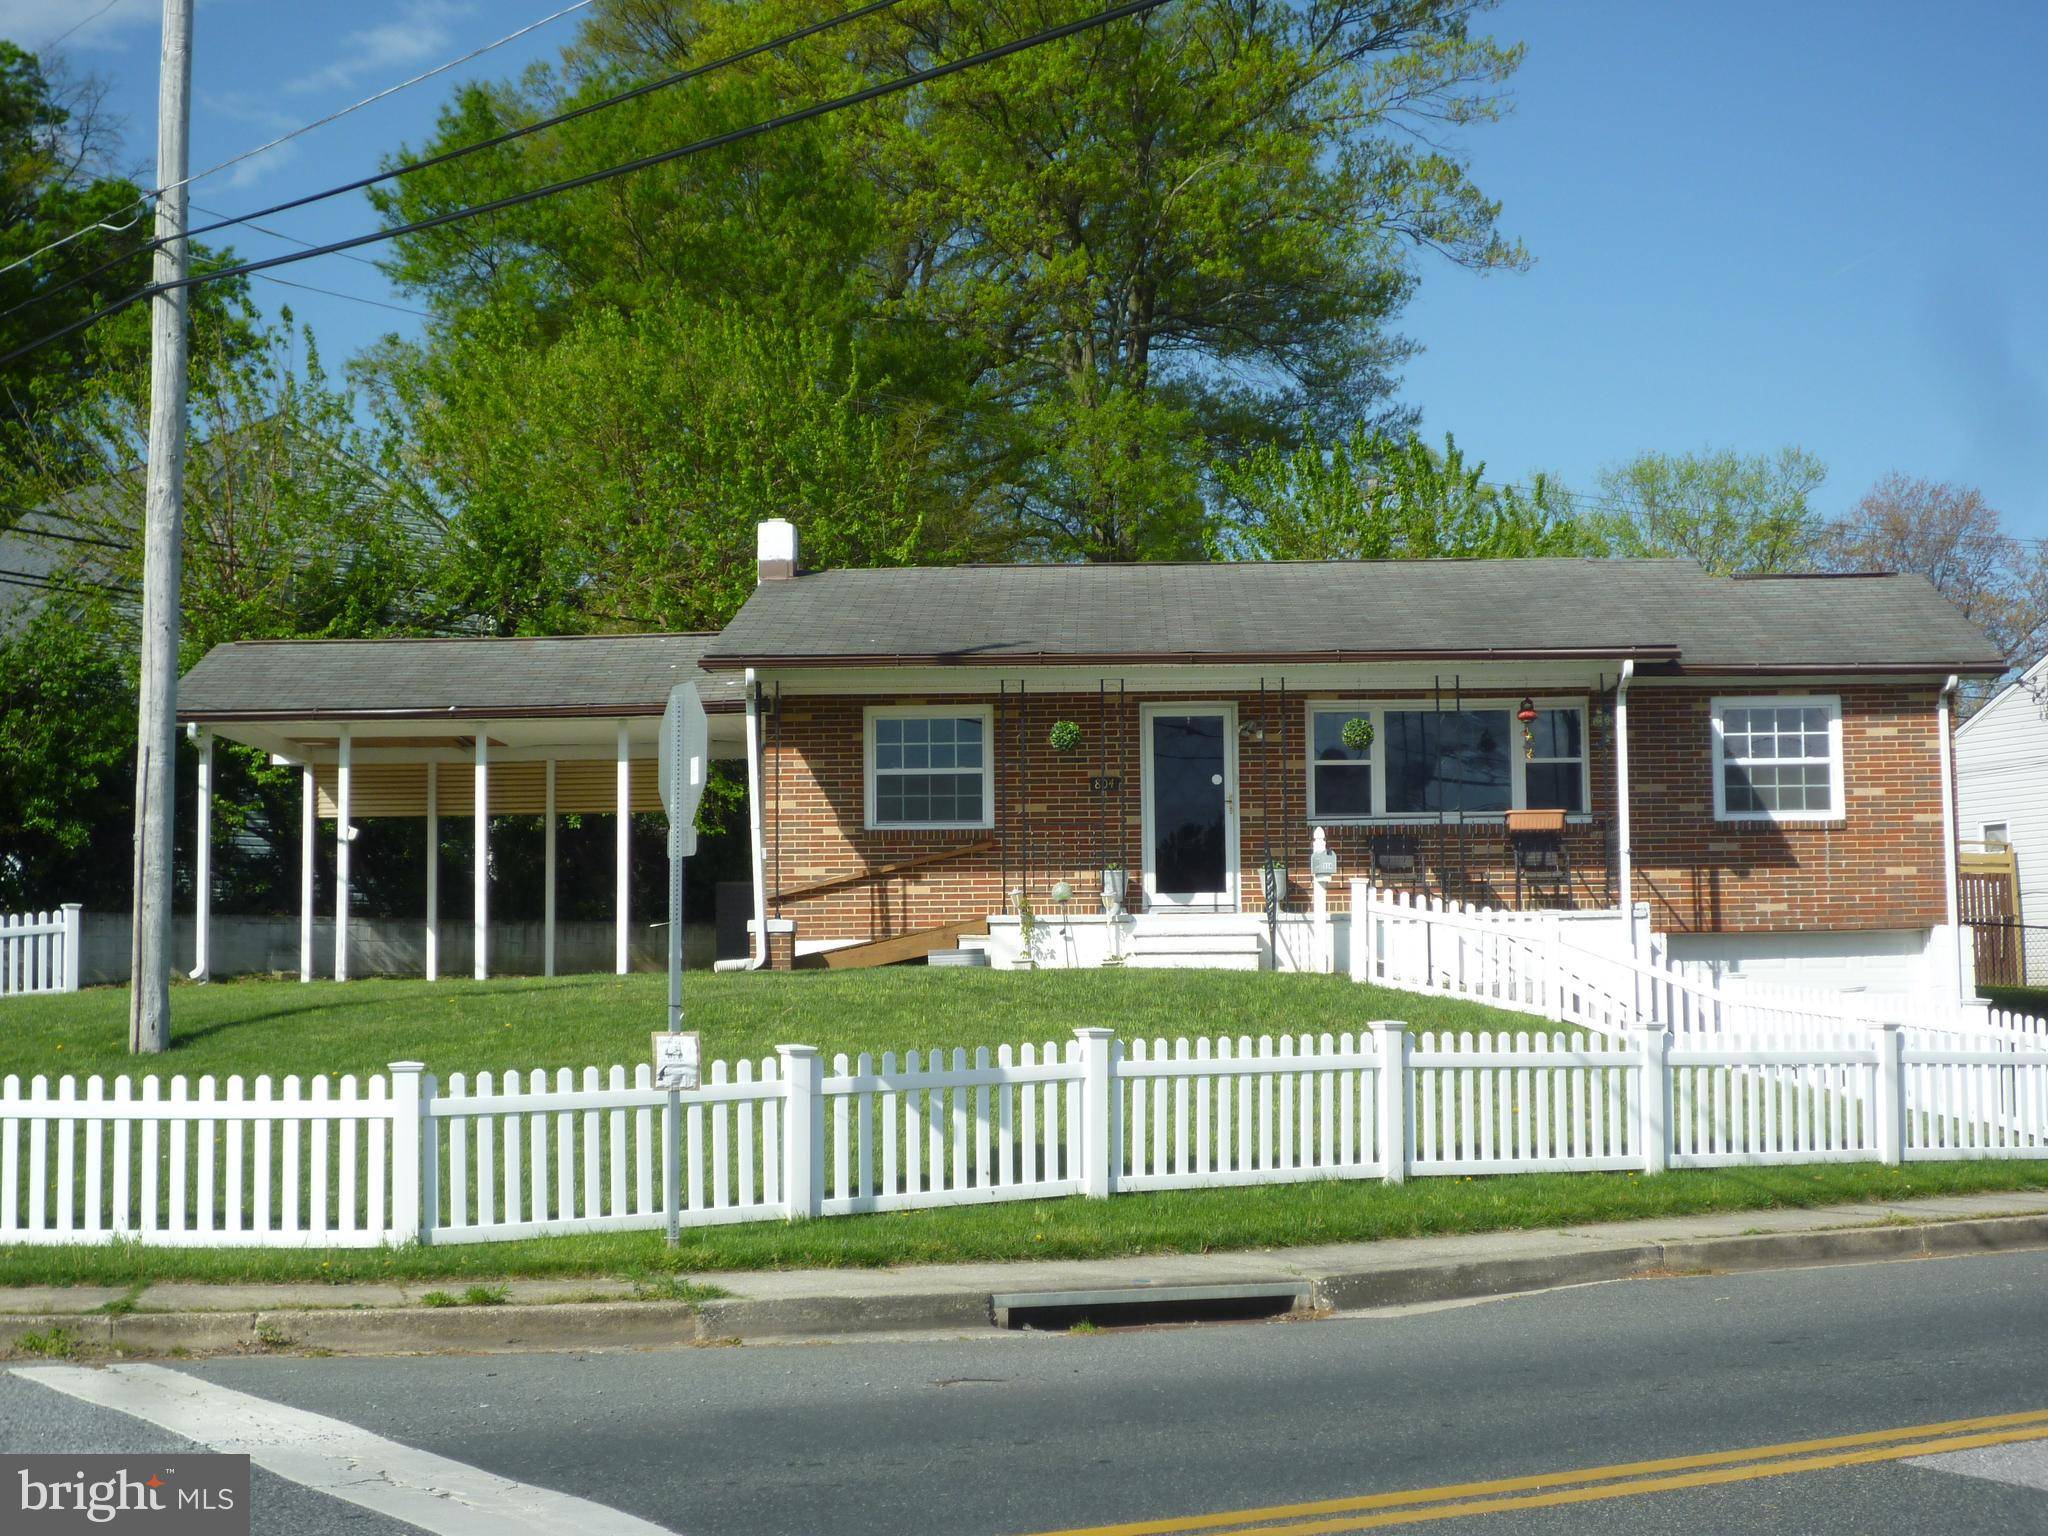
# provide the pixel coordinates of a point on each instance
(757, 843)
(1948, 830)
(1621, 829)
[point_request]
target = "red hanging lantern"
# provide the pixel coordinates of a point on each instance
(1527, 715)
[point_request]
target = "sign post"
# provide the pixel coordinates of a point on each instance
(683, 759)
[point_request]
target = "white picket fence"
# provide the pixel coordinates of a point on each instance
(401, 1158)
(39, 951)
(1538, 963)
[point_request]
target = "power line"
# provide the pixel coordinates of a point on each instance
(353, 298)
(332, 293)
(278, 234)
(143, 199)
(38, 583)
(592, 178)
(79, 26)
(222, 221)
(68, 538)
(389, 90)
(680, 77)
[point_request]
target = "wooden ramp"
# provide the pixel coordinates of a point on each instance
(897, 947)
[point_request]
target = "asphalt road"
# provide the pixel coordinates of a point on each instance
(1033, 1433)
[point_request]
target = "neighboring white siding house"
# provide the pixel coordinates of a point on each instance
(2002, 790)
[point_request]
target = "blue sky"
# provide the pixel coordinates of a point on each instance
(1819, 222)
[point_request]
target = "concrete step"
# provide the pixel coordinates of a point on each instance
(1235, 941)
(1215, 949)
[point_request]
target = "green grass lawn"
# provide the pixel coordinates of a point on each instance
(471, 1026)
(1178, 1221)
(282, 1027)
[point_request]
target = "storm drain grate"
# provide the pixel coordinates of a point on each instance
(1138, 1306)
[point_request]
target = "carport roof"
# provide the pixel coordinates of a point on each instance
(454, 679)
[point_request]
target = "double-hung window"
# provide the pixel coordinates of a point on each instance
(1778, 759)
(1340, 777)
(1478, 760)
(928, 766)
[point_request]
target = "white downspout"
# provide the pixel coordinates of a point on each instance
(756, 841)
(1625, 854)
(1948, 831)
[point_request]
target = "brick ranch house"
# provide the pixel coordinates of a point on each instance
(1145, 756)
(1761, 765)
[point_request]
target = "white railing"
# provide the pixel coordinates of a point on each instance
(398, 1158)
(39, 951)
(1540, 963)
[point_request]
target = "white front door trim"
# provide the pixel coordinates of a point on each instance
(1225, 900)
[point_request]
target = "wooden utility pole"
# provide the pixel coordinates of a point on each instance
(156, 758)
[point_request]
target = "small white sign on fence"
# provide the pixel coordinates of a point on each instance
(678, 1061)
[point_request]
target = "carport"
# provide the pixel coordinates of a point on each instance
(449, 727)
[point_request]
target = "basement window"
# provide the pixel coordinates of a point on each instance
(928, 767)
(1778, 758)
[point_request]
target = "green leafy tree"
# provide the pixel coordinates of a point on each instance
(1183, 232)
(294, 526)
(1080, 273)
(1731, 512)
(67, 738)
(1373, 495)
(54, 144)
(614, 478)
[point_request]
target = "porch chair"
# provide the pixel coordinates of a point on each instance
(1543, 862)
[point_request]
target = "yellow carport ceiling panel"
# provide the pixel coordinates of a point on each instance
(517, 789)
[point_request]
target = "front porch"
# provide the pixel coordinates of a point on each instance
(1178, 817)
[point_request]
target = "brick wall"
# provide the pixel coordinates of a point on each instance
(1880, 867)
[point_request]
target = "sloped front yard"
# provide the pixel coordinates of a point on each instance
(472, 1026)
(277, 1028)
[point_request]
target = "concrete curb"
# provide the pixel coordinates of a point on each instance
(667, 1325)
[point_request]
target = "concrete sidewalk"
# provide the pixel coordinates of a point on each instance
(820, 1303)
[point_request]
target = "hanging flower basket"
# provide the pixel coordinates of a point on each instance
(1064, 736)
(1357, 733)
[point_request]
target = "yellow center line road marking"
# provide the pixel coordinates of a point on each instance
(1458, 1499)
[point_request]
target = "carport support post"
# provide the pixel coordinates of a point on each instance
(342, 833)
(202, 865)
(625, 845)
(1099, 1152)
(309, 823)
(1653, 1092)
(1390, 1044)
(482, 858)
(547, 882)
(433, 932)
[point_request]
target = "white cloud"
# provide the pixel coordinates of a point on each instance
(418, 35)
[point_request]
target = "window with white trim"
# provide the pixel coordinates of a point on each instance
(1997, 835)
(1340, 777)
(1421, 762)
(929, 767)
(1554, 761)
(1778, 758)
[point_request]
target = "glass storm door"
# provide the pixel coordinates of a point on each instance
(1191, 794)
